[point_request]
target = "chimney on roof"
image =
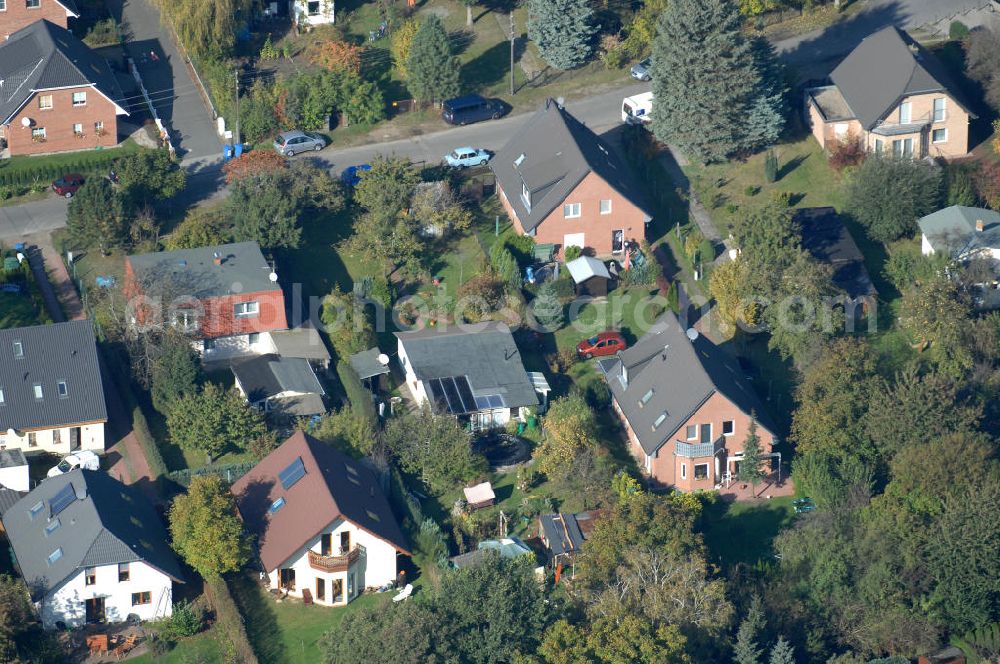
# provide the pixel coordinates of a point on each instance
(217, 258)
(980, 225)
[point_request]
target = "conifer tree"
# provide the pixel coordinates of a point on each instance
(562, 30)
(783, 652)
(746, 650)
(750, 470)
(431, 68)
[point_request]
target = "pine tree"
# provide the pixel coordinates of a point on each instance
(706, 80)
(431, 68)
(97, 216)
(750, 470)
(562, 30)
(746, 650)
(766, 117)
(783, 652)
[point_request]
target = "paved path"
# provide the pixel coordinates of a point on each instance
(18, 221)
(48, 265)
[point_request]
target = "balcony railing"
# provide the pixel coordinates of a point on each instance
(915, 125)
(699, 450)
(334, 563)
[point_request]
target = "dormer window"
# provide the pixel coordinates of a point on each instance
(526, 196)
(18, 348)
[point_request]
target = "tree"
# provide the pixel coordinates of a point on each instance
(202, 227)
(401, 43)
(213, 420)
(263, 211)
(252, 163)
(97, 216)
(782, 653)
(436, 447)
(547, 308)
(982, 63)
(729, 286)
(205, 529)
(175, 373)
(888, 195)
(150, 175)
(337, 54)
(642, 29)
(614, 640)
(936, 313)
(746, 649)
(348, 430)
(347, 323)
(386, 189)
(766, 116)
(372, 634)
(207, 28)
(570, 430)
(432, 70)
(750, 465)
(562, 30)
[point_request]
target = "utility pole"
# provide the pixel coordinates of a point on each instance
(236, 134)
(512, 52)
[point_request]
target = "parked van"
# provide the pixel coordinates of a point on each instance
(469, 109)
(638, 109)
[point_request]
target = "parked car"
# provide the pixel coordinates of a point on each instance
(351, 175)
(605, 343)
(471, 108)
(84, 459)
(642, 70)
(290, 143)
(463, 157)
(68, 184)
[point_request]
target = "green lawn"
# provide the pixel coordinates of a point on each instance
(21, 310)
(203, 648)
(743, 532)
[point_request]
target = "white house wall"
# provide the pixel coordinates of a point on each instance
(227, 348)
(68, 602)
(91, 438)
(16, 478)
(326, 13)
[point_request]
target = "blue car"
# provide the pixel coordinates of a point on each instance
(352, 174)
(463, 157)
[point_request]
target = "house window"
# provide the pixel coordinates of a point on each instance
(905, 110)
(45, 102)
(36, 509)
(1, 396)
(902, 148)
(246, 308)
(606, 206)
(78, 129)
(571, 210)
(32, 4)
(3, 5)
(37, 387)
(63, 390)
(56, 436)
(79, 98)
(312, 7)
(18, 349)
(123, 574)
(320, 590)
(145, 597)
(325, 544)
(52, 526)
(32, 439)
(350, 584)
(99, 126)
(253, 338)
(691, 433)
(55, 556)
(879, 145)
(939, 109)
(728, 427)
(90, 576)
(38, 133)
(701, 471)
(186, 320)
(684, 471)
(939, 136)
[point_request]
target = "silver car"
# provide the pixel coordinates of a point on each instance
(643, 70)
(293, 142)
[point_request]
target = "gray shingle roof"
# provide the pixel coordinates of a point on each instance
(558, 152)
(366, 363)
(243, 269)
(111, 523)
(269, 375)
(303, 341)
(883, 69)
(953, 230)
(64, 352)
(44, 56)
(488, 357)
(681, 375)
(825, 236)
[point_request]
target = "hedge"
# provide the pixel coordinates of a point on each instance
(360, 398)
(229, 620)
(45, 171)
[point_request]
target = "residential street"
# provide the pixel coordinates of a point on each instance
(48, 214)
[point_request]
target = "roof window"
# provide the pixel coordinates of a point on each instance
(18, 348)
(36, 509)
(292, 473)
(55, 556)
(645, 398)
(659, 420)
(276, 505)
(63, 390)
(52, 527)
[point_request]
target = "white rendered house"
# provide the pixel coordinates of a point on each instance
(314, 12)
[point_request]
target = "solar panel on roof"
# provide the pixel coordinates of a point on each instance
(451, 391)
(437, 395)
(63, 499)
(496, 401)
(292, 474)
(482, 403)
(465, 392)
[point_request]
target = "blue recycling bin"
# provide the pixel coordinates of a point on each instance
(239, 149)
(227, 152)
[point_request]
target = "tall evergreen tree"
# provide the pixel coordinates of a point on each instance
(562, 30)
(766, 117)
(746, 650)
(707, 80)
(783, 652)
(98, 216)
(750, 470)
(432, 69)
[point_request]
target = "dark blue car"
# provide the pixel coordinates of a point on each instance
(352, 174)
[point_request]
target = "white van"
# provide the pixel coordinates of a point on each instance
(638, 109)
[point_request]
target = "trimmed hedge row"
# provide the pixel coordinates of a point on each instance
(230, 621)
(357, 394)
(47, 171)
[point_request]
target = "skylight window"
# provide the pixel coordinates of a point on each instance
(292, 474)
(63, 499)
(1, 396)
(38, 391)
(63, 389)
(52, 527)
(372, 515)
(36, 509)
(55, 556)
(645, 398)
(18, 348)
(519, 160)
(276, 505)
(659, 420)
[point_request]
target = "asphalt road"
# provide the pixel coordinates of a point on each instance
(48, 214)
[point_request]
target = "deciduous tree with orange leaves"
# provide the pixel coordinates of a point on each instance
(335, 54)
(251, 163)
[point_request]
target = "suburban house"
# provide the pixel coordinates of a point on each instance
(314, 12)
(961, 232)
(475, 375)
(92, 549)
(56, 94)
(17, 14)
(685, 407)
(827, 239)
(323, 527)
(893, 96)
(562, 185)
(51, 397)
(281, 385)
(226, 297)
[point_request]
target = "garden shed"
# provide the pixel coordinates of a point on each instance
(590, 275)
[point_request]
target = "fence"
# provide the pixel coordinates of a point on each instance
(164, 135)
(229, 472)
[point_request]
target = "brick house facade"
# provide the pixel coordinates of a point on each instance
(68, 123)
(17, 14)
(561, 184)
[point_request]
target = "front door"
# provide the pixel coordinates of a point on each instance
(95, 610)
(345, 542)
(320, 590)
(74, 439)
(325, 545)
(286, 579)
(617, 241)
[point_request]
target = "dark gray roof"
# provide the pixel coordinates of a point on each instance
(243, 270)
(269, 375)
(105, 523)
(44, 56)
(681, 375)
(953, 230)
(488, 357)
(366, 363)
(70, 6)
(883, 69)
(303, 341)
(562, 533)
(558, 152)
(51, 354)
(825, 236)
(9, 498)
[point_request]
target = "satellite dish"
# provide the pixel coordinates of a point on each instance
(273, 277)
(25, 122)
(692, 333)
(383, 359)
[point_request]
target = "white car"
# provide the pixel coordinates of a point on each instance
(465, 157)
(84, 459)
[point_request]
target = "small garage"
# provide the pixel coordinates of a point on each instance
(590, 275)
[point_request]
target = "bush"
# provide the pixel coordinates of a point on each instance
(848, 153)
(958, 31)
(751, 190)
(572, 253)
(782, 198)
(640, 275)
(523, 248)
(706, 251)
(771, 166)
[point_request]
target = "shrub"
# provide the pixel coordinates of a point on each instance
(334, 55)
(640, 275)
(187, 619)
(523, 248)
(268, 51)
(771, 166)
(782, 198)
(572, 253)
(751, 190)
(481, 296)
(732, 208)
(706, 250)
(958, 31)
(847, 153)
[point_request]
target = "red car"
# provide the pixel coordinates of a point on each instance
(605, 343)
(68, 185)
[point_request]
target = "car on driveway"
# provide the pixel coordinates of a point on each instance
(605, 343)
(290, 143)
(643, 70)
(352, 174)
(68, 184)
(464, 157)
(84, 459)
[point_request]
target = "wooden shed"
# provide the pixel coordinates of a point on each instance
(590, 275)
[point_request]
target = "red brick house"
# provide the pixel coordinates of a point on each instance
(562, 185)
(56, 95)
(17, 14)
(685, 407)
(224, 297)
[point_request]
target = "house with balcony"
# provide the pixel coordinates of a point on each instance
(56, 94)
(563, 185)
(323, 528)
(685, 406)
(17, 14)
(51, 396)
(892, 96)
(91, 550)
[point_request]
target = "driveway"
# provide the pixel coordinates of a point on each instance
(17, 221)
(167, 79)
